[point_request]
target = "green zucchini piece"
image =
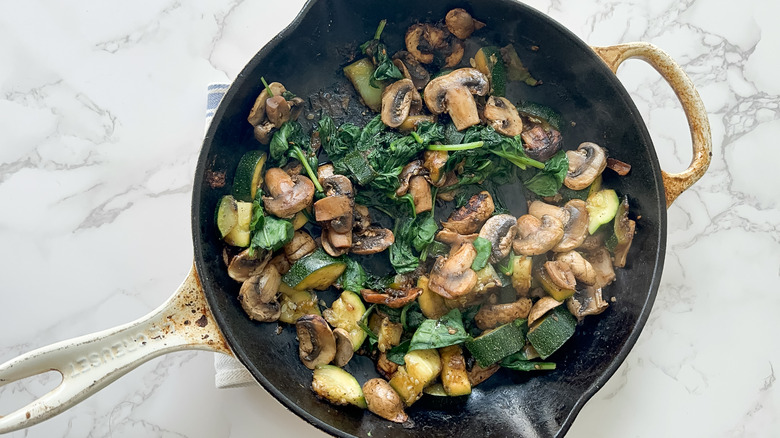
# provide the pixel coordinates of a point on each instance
(496, 344)
(240, 234)
(359, 73)
(420, 369)
(488, 61)
(602, 207)
(437, 390)
(337, 386)
(226, 215)
(317, 270)
(541, 113)
(346, 312)
(358, 164)
(515, 70)
(249, 175)
(552, 331)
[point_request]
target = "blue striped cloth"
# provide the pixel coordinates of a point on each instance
(228, 371)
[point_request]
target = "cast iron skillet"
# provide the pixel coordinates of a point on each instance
(307, 57)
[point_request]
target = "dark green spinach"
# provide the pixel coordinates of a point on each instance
(437, 333)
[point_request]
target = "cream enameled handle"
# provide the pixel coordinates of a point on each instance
(674, 183)
(89, 363)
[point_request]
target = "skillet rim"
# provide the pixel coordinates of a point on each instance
(224, 323)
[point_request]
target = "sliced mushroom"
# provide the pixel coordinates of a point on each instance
(361, 219)
(503, 116)
(574, 216)
(624, 231)
(454, 239)
(281, 263)
(397, 102)
(452, 93)
(421, 194)
(335, 212)
(541, 307)
(541, 240)
(317, 345)
(540, 143)
(327, 238)
(601, 261)
(452, 276)
(325, 171)
(300, 245)
(372, 240)
(581, 268)
(411, 122)
(334, 185)
(478, 374)
(411, 169)
(493, 315)
(585, 164)
(560, 274)
(382, 400)
(417, 73)
(257, 113)
(461, 23)
(500, 230)
(469, 218)
(344, 348)
(587, 301)
(385, 367)
(258, 295)
(244, 265)
(277, 109)
(433, 162)
(393, 298)
(429, 44)
(264, 132)
(289, 194)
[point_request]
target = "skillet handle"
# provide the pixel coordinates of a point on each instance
(674, 183)
(89, 363)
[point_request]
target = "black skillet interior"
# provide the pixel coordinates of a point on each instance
(307, 57)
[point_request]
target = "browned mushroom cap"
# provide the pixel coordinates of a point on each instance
(581, 268)
(385, 367)
(416, 72)
(397, 102)
(382, 400)
(413, 168)
(335, 212)
(433, 162)
(493, 315)
(478, 374)
(429, 43)
(469, 218)
(574, 216)
(277, 109)
(500, 230)
(258, 295)
(289, 194)
(317, 346)
(344, 348)
(372, 240)
(452, 276)
(329, 241)
(585, 164)
(393, 298)
(421, 194)
(257, 113)
(361, 219)
(461, 23)
(247, 264)
(503, 116)
(540, 143)
(541, 307)
(452, 93)
(560, 274)
(300, 245)
(587, 301)
(264, 132)
(281, 263)
(540, 240)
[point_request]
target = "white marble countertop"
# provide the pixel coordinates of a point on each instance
(101, 121)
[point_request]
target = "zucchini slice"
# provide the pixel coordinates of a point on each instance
(359, 73)
(317, 270)
(345, 313)
(552, 331)
(421, 368)
(249, 175)
(488, 61)
(239, 235)
(496, 344)
(297, 304)
(337, 386)
(454, 377)
(227, 215)
(602, 207)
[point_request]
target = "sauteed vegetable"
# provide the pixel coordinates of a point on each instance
(471, 286)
